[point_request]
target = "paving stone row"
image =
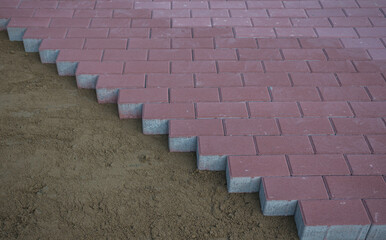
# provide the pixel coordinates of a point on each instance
(288, 97)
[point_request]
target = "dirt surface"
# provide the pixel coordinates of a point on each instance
(70, 169)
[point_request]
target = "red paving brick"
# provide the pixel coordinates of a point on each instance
(301, 80)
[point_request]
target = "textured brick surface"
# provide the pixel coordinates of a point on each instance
(298, 86)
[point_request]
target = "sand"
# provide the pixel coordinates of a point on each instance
(70, 169)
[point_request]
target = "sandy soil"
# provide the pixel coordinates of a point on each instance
(70, 169)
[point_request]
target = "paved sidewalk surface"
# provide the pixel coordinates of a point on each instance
(288, 97)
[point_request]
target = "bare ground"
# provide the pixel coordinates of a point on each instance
(70, 169)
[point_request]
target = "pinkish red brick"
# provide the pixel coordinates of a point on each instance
(305, 126)
(215, 54)
(76, 5)
(151, 23)
(171, 33)
(38, 4)
(302, 4)
(287, 13)
(222, 110)
(371, 32)
(344, 94)
(359, 126)
(303, 54)
(367, 164)
(152, 5)
(295, 32)
(116, 81)
(9, 12)
(239, 66)
(378, 21)
(257, 166)
(370, 4)
(124, 55)
(60, 13)
(377, 212)
(254, 32)
(378, 54)
(314, 79)
(147, 67)
(249, 13)
(239, 94)
(87, 33)
(259, 54)
(94, 13)
(294, 188)
(10, 4)
(361, 79)
(168, 111)
(129, 32)
(192, 43)
(347, 54)
(76, 55)
(193, 67)
(259, 126)
(226, 145)
(42, 33)
(378, 143)
(310, 22)
(267, 79)
(371, 66)
(264, 4)
(339, 4)
(190, 22)
(325, 13)
(278, 43)
(195, 127)
(190, 5)
(356, 187)
(235, 43)
(132, 13)
(320, 43)
(209, 13)
(110, 22)
(143, 95)
(369, 109)
(273, 109)
(332, 66)
(285, 94)
(74, 43)
(227, 5)
(218, 32)
(105, 43)
(326, 109)
(181, 95)
(340, 144)
(362, 43)
(232, 22)
(271, 22)
(333, 213)
(170, 54)
(74, 22)
(149, 43)
(350, 22)
(271, 145)
(377, 93)
(29, 22)
(171, 13)
(114, 4)
(336, 32)
(95, 68)
(169, 80)
(306, 165)
(286, 66)
(218, 80)
(363, 12)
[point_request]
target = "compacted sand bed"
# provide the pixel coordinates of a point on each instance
(70, 169)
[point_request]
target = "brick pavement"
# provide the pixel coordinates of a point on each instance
(289, 97)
